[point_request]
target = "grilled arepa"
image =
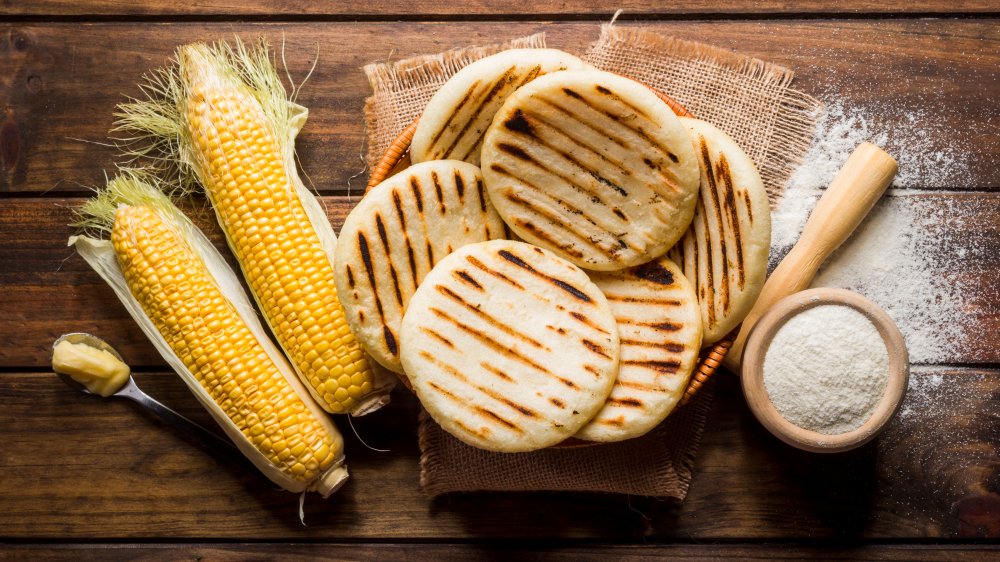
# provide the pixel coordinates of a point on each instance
(509, 347)
(724, 253)
(659, 326)
(393, 238)
(592, 166)
(453, 123)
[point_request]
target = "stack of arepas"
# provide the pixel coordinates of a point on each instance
(638, 237)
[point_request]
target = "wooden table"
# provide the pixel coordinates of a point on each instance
(87, 478)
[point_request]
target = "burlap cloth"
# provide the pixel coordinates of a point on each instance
(748, 98)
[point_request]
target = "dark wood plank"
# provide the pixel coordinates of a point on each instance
(348, 8)
(464, 552)
(76, 467)
(47, 290)
(61, 82)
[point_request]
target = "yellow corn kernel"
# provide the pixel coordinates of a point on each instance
(243, 170)
(229, 363)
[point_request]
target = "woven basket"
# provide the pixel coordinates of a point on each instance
(396, 158)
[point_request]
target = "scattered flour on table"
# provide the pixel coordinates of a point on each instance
(900, 257)
(826, 369)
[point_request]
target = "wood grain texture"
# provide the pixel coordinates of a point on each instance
(48, 290)
(463, 552)
(77, 467)
(353, 8)
(61, 82)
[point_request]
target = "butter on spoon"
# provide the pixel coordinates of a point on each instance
(96, 367)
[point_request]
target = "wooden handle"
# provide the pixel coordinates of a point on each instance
(858, 186)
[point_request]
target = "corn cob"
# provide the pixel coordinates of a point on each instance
(234, 132)
(246, 383)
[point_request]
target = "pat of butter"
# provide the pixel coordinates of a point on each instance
(101, 372)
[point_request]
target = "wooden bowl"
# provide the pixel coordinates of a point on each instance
(396, 159)
(753, 371)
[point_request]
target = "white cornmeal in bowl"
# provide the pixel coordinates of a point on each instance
(826, 369)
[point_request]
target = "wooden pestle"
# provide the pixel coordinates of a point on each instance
(852, 194)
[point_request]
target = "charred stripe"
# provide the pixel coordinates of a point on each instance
(488, 270)
(577, 293)
(455, 297)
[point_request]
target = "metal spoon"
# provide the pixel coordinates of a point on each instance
(202, 437)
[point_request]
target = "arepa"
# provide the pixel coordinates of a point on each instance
(453, 123)
(393, 238)
(724, 253)
(592, 166)
(509, 347)
(659, 326)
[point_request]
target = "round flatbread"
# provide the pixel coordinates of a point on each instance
(393, 238)
(659, 326)
(453, 123)
(592, 166)
(509, 347)
(724, 253)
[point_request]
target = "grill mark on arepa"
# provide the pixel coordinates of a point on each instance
(497, 85)
(438, 190)
(490, 342)
(626, 402)
(623, 120)
(454, 112)
(583, 319)
(668, 367)
(568, 113)
(595, 348)
(713, 191)
(567, 247)
(642, 300)
(366, 258)
(557, 402)
(576, 293)
(519, 153)
(490, 271)
(558, 221)
(706, 263)
(458, 375)
(430, 332)
(510, 425)
(491, 369)
(479, 312)
(660, 326)
(567, 206)
(463, 276)
(350, 277)
(654, 272)
(524, 127)
(672, 347)
(417, 193)
(732, 213)
(637, 386)
(459, 186)
(482, 200)
(528, 77)
(387, 249)
(749, 207)
(604, 90)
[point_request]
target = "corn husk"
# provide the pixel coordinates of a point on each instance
(97, 217)
(161, 139)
